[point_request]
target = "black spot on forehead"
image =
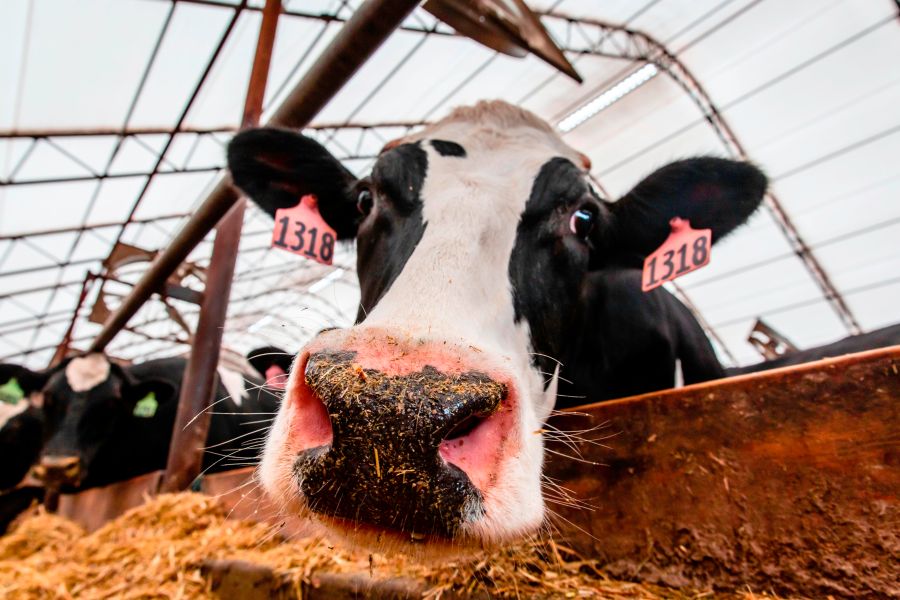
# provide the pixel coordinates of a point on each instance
(445, 148)
(400, 174)
(558, 182)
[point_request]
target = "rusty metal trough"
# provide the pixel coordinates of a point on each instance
(786, 480)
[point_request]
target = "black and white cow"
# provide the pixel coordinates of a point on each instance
(103, 422)
(880, 338)
(484, 256)
(273, 364)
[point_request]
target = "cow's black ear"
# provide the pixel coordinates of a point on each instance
(268, 356)
(27, 380)
(713, 193)
(276, 167)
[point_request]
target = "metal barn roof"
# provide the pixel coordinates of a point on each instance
(114, 116)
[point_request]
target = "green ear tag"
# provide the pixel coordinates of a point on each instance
(146, 406)
(11, 392)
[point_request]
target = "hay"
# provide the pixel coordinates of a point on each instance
(156, 550)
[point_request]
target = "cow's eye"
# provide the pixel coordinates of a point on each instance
(582, 222)
(364, 202)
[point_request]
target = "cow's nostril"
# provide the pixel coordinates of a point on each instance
(466, 426)
(57, 470)
(313, 427)
(385, 463)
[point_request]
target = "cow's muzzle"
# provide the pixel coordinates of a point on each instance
(383, 465)
(58, 471)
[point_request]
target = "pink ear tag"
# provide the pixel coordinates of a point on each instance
(302, 230)
(685, 250)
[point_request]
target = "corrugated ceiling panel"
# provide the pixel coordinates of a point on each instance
(189, 41)
(219, 101)
(50, 206)
(68, 41)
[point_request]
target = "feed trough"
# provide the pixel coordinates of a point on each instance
(786, 480)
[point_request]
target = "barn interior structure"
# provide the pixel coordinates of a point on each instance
(121, 233)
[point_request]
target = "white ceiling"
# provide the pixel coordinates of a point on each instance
(810, 88)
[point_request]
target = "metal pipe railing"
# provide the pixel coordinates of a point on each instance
(198, 387)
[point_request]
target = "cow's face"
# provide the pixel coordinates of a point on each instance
(84, 401)
(422, 422)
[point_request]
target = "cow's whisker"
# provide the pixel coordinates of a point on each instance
(257, 422)
(575, 458)
(237, 437)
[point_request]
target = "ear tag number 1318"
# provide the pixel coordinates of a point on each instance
(302, 230)
(685, 250)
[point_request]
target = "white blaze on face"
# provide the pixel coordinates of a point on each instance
(456, 287)
(85, 372)
(455, 284)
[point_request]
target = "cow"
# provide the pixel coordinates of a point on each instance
(479, 243)
(21, 425)
(104, 422)
(886, 336)
(272, 363)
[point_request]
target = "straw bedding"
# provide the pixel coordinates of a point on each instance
(155, 551)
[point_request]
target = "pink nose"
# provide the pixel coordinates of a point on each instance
(276, 377)
(409, 451)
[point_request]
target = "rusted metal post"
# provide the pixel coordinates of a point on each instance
(197, 390)
(358, 39)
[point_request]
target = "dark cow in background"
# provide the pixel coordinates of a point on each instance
(21, 437)
(483, 256)
(21, 425)
(273, 363)
(880, 338)
(103, 422)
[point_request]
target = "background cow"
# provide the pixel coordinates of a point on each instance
(482, 255)
(273, 364)
(21, 425)
(103, 422)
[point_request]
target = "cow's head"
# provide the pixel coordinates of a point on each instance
(272, 363)
(473, 239)
(19, 389)
(85, 400)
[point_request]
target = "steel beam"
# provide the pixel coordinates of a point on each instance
(107, 131)
(135, 131)
(104, 176)
(31, 234)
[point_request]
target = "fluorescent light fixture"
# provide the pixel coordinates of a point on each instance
(610, 96)
(260, 324)
(325, 281)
